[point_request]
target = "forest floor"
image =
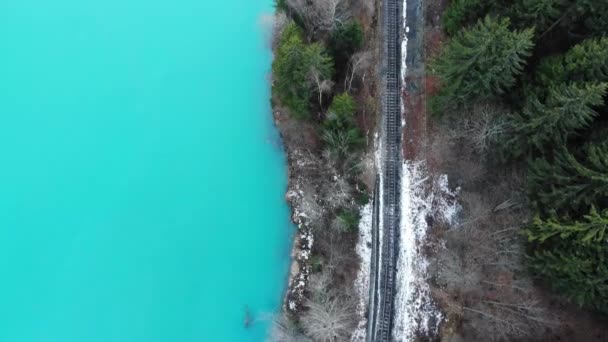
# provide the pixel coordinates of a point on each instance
(477, 271)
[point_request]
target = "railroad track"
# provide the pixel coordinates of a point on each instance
(382, 305)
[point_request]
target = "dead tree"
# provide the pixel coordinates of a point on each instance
(330, 321)
(285, 330)
(359, 62)
(320, 15)
(322, 86)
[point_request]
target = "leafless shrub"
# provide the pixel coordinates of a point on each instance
(359, 63)
(280, 20)
(369, 6)
(285, 330)
(480, 127)
(511, 320)
(320, 15)
(330, 321)
(322, 86)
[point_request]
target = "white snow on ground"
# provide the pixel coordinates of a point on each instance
(415, 312)
(364, 251)
(404, 45)
(379, 168)
(447, 206)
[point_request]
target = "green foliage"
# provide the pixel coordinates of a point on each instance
(293, 66)
(341, 112)
(281, 5)
(566, 109)
(340, 132)
(592, 229)
(344, 141)
(349, 219)
(540, 14)
(316, 263)
(593, 14)
(461, 13)
(481, 62)
(362, 196)
(562, 99)
(568, 184)
(573, 256)
(579, 272)
(346, 40)
(587, 61)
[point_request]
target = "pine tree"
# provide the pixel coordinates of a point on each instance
(571, 185)
(293, 67)
(482, 62)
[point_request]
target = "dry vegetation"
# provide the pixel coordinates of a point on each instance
(480, 278)
(322, 187)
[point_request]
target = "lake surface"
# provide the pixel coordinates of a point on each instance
(141, 180)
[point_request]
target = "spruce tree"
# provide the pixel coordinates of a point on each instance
(292, 67)
(340, 132)
(540, 14)
(577, 271)
(570, 185)
(462, 13)
(345, 41)
(481, 62)
(565, 110)
(593, 14)
(584, 62)
(593, 228)
(572, 256)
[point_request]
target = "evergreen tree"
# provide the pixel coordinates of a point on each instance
(592, 229)
(593, 14)
(579, 272)
(568, 184)
(462, 13)
(565, 110)
(341, 112)
(540, 14)
(293, 65)
(481, 62)
(586, 61)
(345, 41)
(572, 256)
(340, 132)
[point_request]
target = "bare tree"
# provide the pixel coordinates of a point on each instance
(480, 127)
(285, 330)
(359, 62)
(280, 20)
(323, 15)
(330, 321)
(323, 86)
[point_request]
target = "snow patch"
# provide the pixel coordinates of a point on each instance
(415, 312)
(364, 251)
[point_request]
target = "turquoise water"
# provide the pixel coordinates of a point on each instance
(141, 182)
